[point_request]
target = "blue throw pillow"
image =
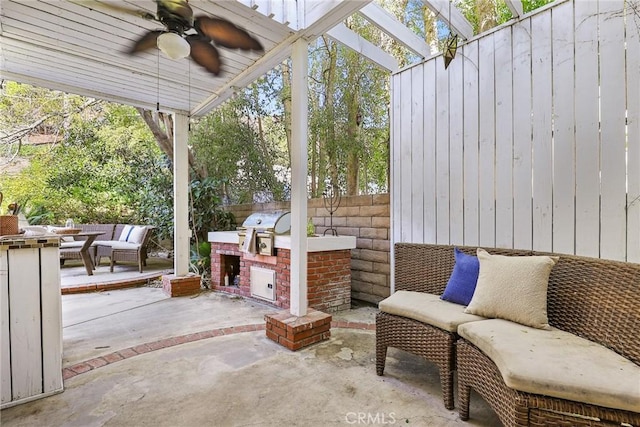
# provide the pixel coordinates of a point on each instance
(464, 277)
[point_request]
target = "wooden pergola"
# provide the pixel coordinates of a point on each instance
(77, 47)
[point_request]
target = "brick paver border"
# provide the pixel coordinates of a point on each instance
(127, 353)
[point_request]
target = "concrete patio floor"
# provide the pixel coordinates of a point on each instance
(134, 357)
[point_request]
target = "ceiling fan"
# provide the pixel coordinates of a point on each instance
(188, 35)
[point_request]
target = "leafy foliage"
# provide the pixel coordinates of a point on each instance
(107, 168)
(205, 214)
(227, 143)
(485, 14)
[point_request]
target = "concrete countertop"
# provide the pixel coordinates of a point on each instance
(314, 244)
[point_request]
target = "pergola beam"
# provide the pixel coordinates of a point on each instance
(388, 24)
(323, 16)
(349, 38)
(448, 13)
(515, 6)
(320, 16)
(268, 61)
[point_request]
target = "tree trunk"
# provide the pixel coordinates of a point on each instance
(286, 101)
(487, 14)
(264, 149)
(164, 137)
(330, 136)
(353, 164)
(353, 109)
(353, 154)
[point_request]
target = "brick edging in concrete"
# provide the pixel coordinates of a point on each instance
(127, 353)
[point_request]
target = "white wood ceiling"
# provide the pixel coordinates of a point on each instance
(78, 47)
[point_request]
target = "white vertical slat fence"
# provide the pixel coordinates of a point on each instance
(612, 128)
(564, 135)
(456, 153)
(443, 174)
(530, 139)
(587, 216)
(504, 135)
(522, 191)
(417, 149)
(470, 125)
(429, 142)
(487, 137)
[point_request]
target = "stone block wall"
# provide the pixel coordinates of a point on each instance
(365, 217)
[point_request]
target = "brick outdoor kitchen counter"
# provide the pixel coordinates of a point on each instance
(250, 275)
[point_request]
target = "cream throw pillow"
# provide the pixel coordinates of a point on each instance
(513, 288)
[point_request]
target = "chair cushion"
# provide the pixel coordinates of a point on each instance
(70, 245)
(556, 363)
(513, 288)
(114, 244)
(427, 308)
(126, 232)
(137, 233)
(463, 279)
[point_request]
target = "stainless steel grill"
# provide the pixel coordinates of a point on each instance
(257, 233)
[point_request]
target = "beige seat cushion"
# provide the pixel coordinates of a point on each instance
(427, 308)
(556, 363)
(73, 244)
(115, 244)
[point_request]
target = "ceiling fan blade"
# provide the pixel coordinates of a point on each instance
(116, 7)
(147, 41)
(204, 54)
(226, 34)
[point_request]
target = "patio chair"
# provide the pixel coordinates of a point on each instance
(127, 252)
(103, 250)
(423, 268)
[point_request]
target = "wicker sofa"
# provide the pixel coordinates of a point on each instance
(593, 309)
(110, 244)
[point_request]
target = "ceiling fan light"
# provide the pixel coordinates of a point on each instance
(173, 45)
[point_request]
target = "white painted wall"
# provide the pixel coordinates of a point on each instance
(530, 139)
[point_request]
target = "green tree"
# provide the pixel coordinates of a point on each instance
(103, 164)
(231, 143)
(486, 14)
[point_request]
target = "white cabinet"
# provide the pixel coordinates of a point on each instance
(30, 320)
(263, 283)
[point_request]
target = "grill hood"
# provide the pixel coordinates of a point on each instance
(278, 222)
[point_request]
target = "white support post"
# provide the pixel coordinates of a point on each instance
(182, 233)
(299, 101)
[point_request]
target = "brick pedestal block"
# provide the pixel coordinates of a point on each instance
(295, 332)
(175, 286)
